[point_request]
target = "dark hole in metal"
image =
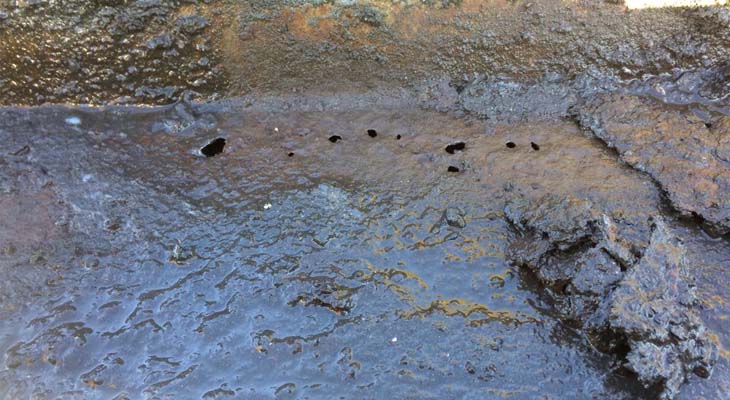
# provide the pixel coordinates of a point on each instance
(511, 145)
(535, 146)
(453, 169)
(458, 146)
(213, 148)
(335, 138)
(372, 133)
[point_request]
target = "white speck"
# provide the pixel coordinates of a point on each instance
(74, 121)
(267, 206)
(86, 178)
(395, 339)
(276, 130)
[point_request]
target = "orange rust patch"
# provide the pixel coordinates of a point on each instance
(309, 22)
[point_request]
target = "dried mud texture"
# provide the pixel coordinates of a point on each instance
(686, 156)
(655, 308)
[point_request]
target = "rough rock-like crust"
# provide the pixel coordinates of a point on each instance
(688, 159)
(159, 51)
(654, 307)
(646, 301)
(573, 249)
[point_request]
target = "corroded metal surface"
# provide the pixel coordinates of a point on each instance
(363, 199)
(155, 51)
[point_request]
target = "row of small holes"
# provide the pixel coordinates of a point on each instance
(217, 145)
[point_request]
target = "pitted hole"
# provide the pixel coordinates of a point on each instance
(398, 137)
(453, 168)
(213, 148)
(511, 145)
(708, 125)
(561, 287)
(454, 147)
(702, 372)
(372, 133)
(534, 146)
(291, 154)
(335, 138)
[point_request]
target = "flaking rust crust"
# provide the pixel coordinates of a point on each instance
(654, 307)
(643, 298)
(688, 157)
(159, 51)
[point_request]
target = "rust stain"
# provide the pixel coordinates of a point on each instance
(313, 23)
